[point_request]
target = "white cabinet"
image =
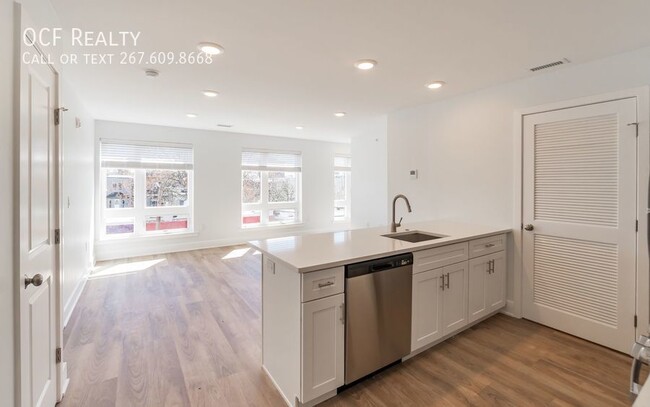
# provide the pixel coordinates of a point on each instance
(439, 303)
(487, 285)
(426, 326)
(323, 341)
(454, 297)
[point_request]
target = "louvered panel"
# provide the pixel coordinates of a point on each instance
(578, 277)
(576, 171)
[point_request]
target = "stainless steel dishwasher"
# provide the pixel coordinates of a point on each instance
(378, 314)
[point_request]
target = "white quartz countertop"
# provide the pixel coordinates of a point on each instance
(324, 250)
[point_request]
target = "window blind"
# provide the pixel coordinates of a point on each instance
(342, 163)
(115, 154)
(258, 160)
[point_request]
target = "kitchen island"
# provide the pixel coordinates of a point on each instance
(459, 278)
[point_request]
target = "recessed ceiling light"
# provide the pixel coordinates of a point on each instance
(299, 127)
(339, 114)
(151, 73)
(192, 115)
(435, 85)
(365, 64)
(210, 48)
(210, 93)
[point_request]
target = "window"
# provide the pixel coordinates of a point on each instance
(146, 188)
(342, 180)
(271, 184)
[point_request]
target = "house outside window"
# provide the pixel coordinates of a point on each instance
(146, 188)
(342, 187)
(271, 188)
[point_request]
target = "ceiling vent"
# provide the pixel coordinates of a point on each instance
(224, 125)
(550, 65)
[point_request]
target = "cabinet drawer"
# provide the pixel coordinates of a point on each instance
(487, 245)
(440, 256)
(322, 283)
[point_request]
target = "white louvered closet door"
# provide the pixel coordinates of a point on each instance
(580, 198)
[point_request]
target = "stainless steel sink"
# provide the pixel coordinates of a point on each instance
(414, 236)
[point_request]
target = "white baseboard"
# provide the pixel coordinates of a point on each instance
(286, 400)
(72, 302)
(122, 249)
(509, 310)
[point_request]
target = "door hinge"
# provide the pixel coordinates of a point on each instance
(58, 355)
(637, 225)
(636, 126)
(57, 236)
(635, 321)
(57, 115)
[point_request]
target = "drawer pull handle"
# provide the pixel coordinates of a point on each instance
(327, 284)
(490, 245)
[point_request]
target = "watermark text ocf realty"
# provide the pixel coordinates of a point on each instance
(80, 38)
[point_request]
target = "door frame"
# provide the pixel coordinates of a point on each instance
(21, 22)
(642, 96)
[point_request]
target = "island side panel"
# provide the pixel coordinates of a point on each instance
(281, 326)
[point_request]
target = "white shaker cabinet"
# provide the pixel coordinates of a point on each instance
(426, 325)
(323, 341)
(487, 285)
(439, 303)
(454, 297)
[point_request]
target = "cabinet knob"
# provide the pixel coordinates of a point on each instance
(37, 280)
(529, 227)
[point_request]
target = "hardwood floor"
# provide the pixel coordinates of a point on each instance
(186, 331)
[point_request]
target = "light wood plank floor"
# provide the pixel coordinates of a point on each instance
(185, 331)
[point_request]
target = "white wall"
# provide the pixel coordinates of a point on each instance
(7, 269)
(369, 177)
(78, 197)
(463, 147)
(217, 190)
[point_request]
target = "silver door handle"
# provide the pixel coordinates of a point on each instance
(490, 245)
(447, 280)
(529, 227)
(442, 284)
(327, 284)
(37, 280)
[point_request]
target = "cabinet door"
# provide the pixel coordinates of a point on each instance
(323, 339)
(479, 274)
(496, 285)
(426, 308)
(454, 297)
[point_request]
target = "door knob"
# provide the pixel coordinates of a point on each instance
(529, 227)
(37, 280)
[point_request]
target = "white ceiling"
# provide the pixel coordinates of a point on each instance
(290, 62)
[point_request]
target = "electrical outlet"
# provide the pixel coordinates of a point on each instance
(413, 174)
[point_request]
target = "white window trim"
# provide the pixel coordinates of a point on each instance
(140, 212)
(264, 206)
(347, 202)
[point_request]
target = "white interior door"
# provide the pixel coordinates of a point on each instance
(579, 213)
(38, 221)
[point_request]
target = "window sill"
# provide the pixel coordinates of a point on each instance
(109, 240)
(273, 226)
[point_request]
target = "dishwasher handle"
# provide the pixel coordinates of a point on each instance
(381, 267)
